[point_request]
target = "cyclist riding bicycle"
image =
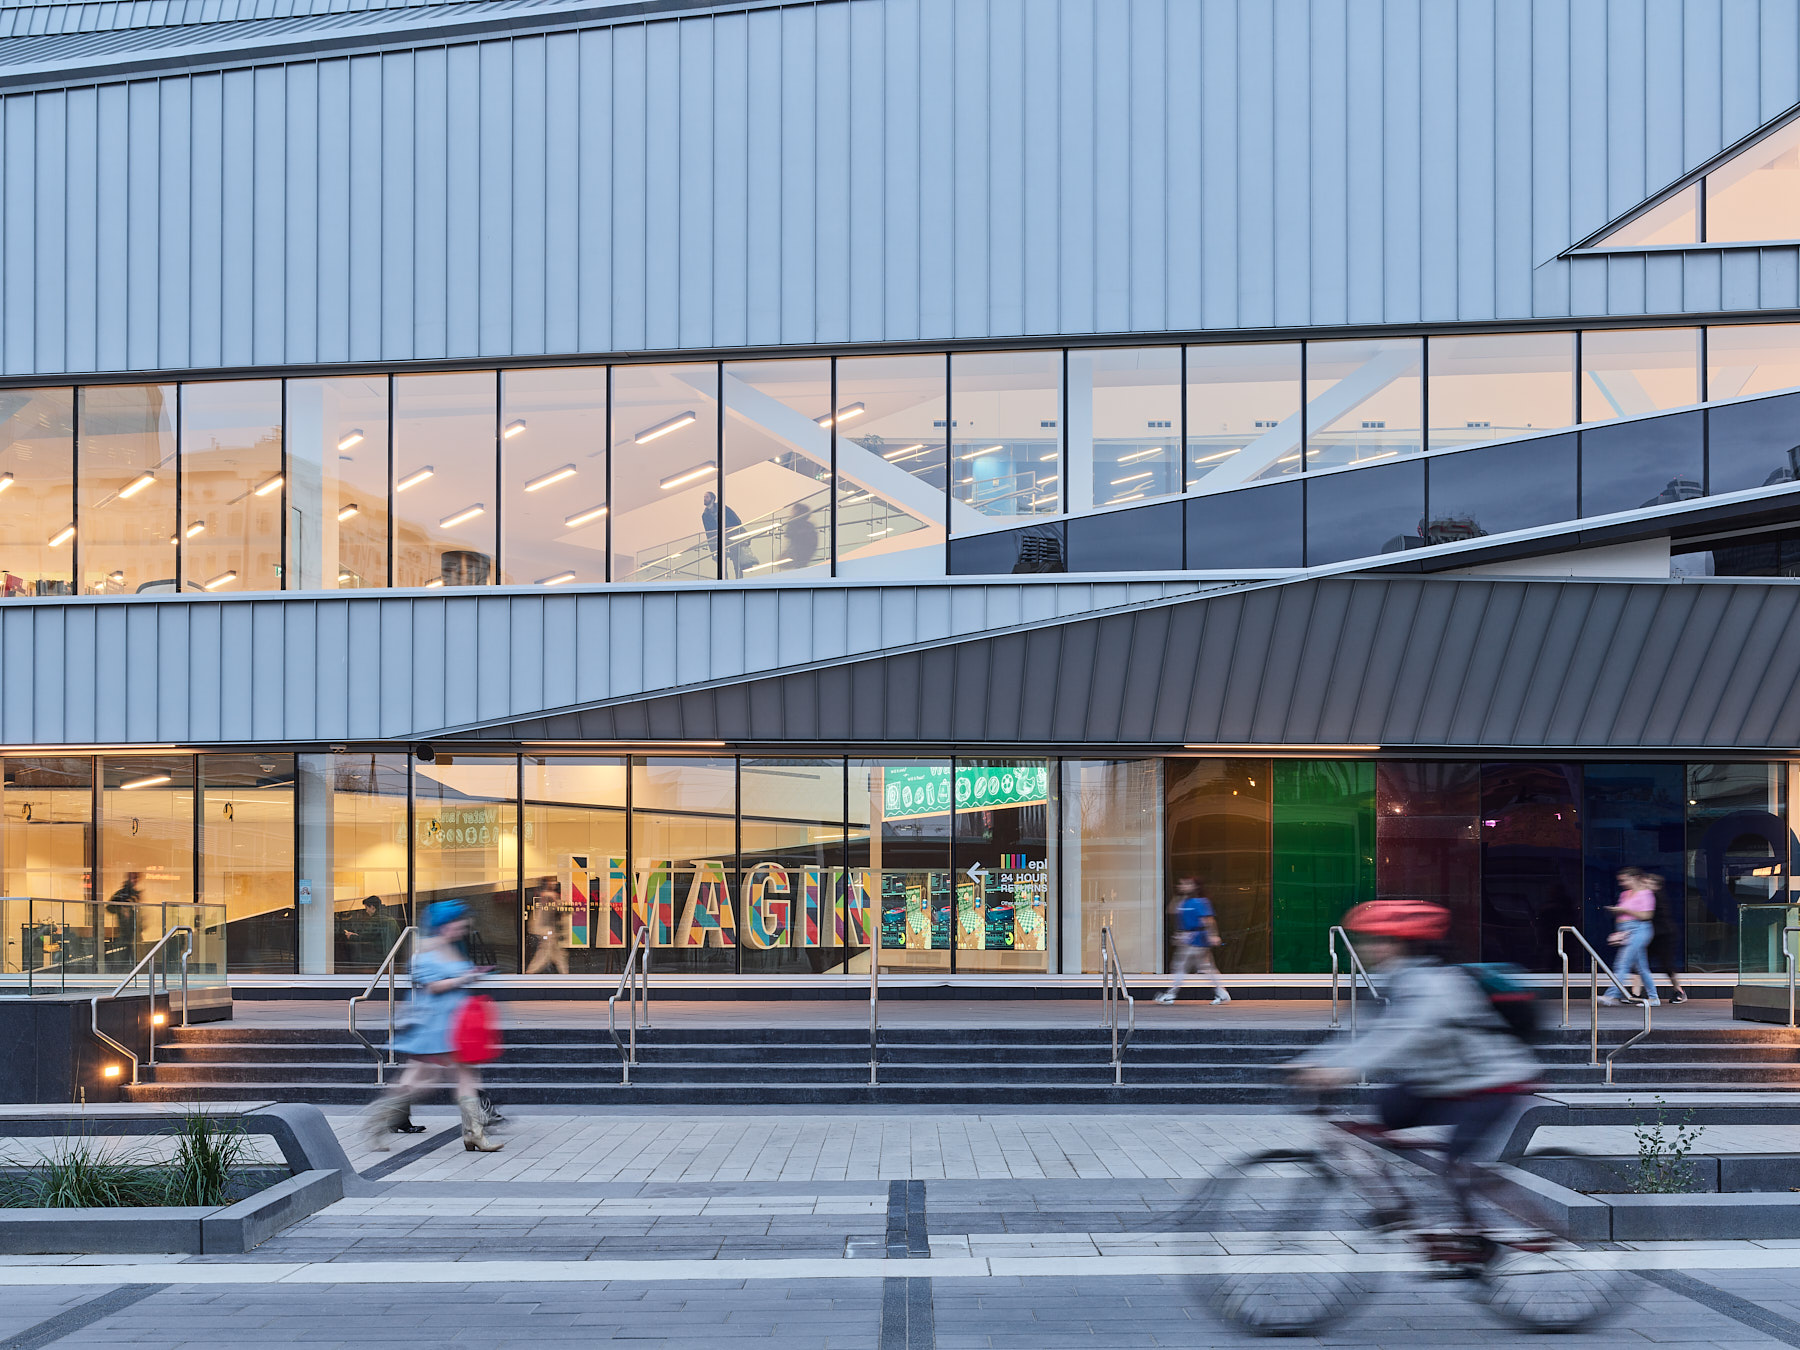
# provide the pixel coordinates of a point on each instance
(1449, 1057)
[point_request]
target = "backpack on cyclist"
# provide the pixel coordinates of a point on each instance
(1514, 1001)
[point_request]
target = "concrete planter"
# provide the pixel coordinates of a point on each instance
(1535, 1188)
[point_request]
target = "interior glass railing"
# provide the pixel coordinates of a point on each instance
(1768, 938)
(51, 946)
(783, 540)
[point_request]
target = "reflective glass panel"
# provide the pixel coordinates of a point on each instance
(1323, 845)
(46, 861)
(1530, 860)
(37, 492)
(444, 479)
(353, 860)
(790, 887)
(576, 879)
(1737, 852)
(1752, 358)
(1263, 527)
(1637, 464)
(146, 854)
(891, 464)
(1493, 386)
(1675, 221)
(1037, 548)
(1428, 842)
(665, 474)
(1754, 444)
(552, 471)
(1005, 446)
(1626, 372)
(127, 488)
(900, 829)
(466, 847)
(1501, 488)
(1357, 515)
(1634, 815)
(1756, 193)
(1243, 414)
(684, 851)
(1112, 861)
(1004, 920)
(232, 495)
(1364, 400)
(1219, 813)
(338, 483)
(1124, 425)
(1772, 553)
(247, 857)
(778, 465)
(1141, 539)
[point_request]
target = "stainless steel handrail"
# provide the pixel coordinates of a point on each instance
(1787, 952)
(634, 987)
(1356, 971)
(875, 1001)
(1595, 965)
(148, 957)
(390, 968)
(1112, 989)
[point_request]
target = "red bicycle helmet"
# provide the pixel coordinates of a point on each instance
(1410, 920)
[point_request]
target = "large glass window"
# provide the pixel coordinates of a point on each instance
(684, 847)
(1140, 539)
(1756, 193)
(1005, 441)
(1633, 818)
(553, 471)
(232, 496)
(789, 884)
(445, 485)
(900, 829)
(1500, 488)
(576, 880)
(1323, 853)
(1036, 548)
(466, 847)
(1637, 464)
(1530, 860)
(777, 485)
(1364, 400)
(1243, 414)
(1219, 814)
(247, 857)
(1124, 425)
(1357, 515)
(1494, 386)
(37, 492)
(892, 459)
(1003, 873)
(1626, 372)
(337, 486)
(665, 474)
(48, 919)
(1737, 853)
(354, 856)
(1428, 842)
(1112, 861)
(127, 522)
(1754, 444)
(146, 854)
(1261, 528)
(1675, 221)
(1752, 358)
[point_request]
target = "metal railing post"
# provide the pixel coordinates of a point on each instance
(147, 966)
(633, 981)
(1357, 971)
(875, 1007)
(1787, 952)
(1596, 965)
(389, 967)
(1112, 990)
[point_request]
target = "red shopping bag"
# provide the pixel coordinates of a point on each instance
(475, 1034)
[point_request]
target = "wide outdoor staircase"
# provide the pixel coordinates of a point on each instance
(918, 1066)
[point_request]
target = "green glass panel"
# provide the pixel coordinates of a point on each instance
(1324, 853)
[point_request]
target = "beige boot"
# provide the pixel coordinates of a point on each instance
(475, 1138)
(383, 1114)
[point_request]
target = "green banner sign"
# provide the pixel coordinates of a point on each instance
(924, 790)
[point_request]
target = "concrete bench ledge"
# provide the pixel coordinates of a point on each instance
(1626, 1108)
(194, 1229)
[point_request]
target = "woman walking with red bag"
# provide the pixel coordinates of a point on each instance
(447, 1027)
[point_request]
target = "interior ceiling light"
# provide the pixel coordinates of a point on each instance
(151, 781)
(137, 485)
(895, 454)
(467, 513)
(583, 517)
(354, 436)
(844, 414)
(986, 451)
(434, 583)
(675, 423)
(1041, 458)
(6, 481)
(223, 579)
(773, 562)
(1140, 454)
(264, 489)
(693, 475)
(414, 478)
(556, 580)
(198, 527)
(1132, 478)
(554, 476)
(63, 535)
(513, 428)
(349, 511)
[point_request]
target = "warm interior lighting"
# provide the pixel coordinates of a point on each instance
(152, 781)
(414, 478)
(1051, 455)
(513, 428)
(264, 489)
(467, 513)
(198, 527)
(876, 534)
(1132, 478)
(343, 577)
(773, 562)
(157, 1019)
(556, 580)
(110, 1071)
(349, 511)
(693, 475)
(223, 579)
(354, 436)
(6, 480)
(844, 414)
(895, 454)
(554, 476)
(988, 451)
(675, 423)
(137, 485)
(434, 583)
(583, 517)
(1136, 455)
(63, 535)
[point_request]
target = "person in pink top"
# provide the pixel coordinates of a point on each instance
(1634, 918)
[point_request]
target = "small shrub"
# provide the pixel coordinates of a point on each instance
(1663, 1167)
(209, 1151)
(77, 1174)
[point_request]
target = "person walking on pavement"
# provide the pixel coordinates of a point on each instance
(1665, 950)
(1196, 934)
(1636, 925)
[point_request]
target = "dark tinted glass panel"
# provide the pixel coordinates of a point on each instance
(1501, 488)
(1428, 842)
(1737, 851)
(1038, 548)
(1636, 464)
(1634, 819)
(1323, 846)
(1218, 825)
(1356, 515)
(1772, 553)
(1261, 527)
(1530, 860)
(1145, 540)
(1752, 445)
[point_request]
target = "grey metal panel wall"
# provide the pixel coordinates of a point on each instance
(334, 668)
(883, 170)
(1398, 663)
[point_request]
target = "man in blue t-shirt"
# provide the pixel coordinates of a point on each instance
(1196, 934)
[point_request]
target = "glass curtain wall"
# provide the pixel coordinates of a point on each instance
(1428, 842)
(1124, 425)
(355, 860)
(1220, 813)
(1752, 358)
(1322, 846)
(1626, 372)
(900, 828)
(126, 516)
(1737, 853)
(666, 516)
(1112, 818)
(1364, 401)
(576, 872)
(1756, 193)
(232, 486)
(777, 482)
(466, 847)
(37, 492)
(1005, 438)
(146, 854)
(337, 490)
(1530, 860)
(1492, 386)
(445, 485)
(683, 846)
(49, 922)
(1243, 414)
(246, 843)
(552, 472)
(790, 882)
(1003, 871)
(892, 462)
(1632, 816)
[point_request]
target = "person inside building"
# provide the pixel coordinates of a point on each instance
(1196, 930)
(546, 928)
(799, 536)
(122, 909)
(371, 934)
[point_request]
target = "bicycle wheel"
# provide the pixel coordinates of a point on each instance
(1534, 1284)
(1285, 1211)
